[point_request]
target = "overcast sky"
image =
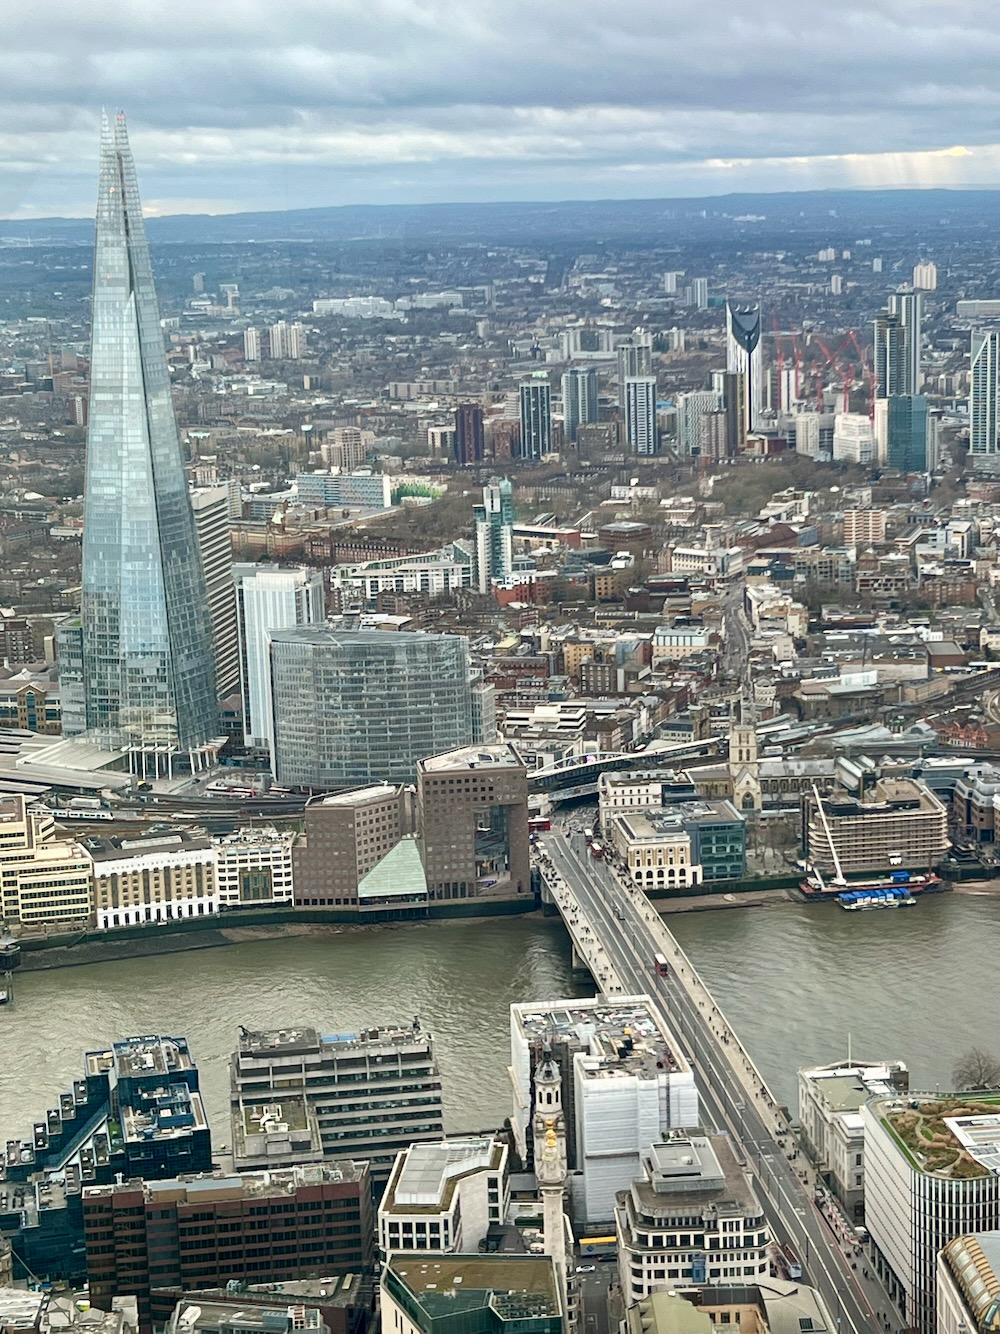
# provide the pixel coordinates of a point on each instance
(247, 104)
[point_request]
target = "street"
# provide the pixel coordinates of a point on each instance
(732, 1102)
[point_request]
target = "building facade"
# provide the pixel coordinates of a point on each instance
(984, 395)
(297, 1222)
(254, 866)
(535, 402)
(211, 506)
(144, 637)
(151, 880)
(745, 356)
(639, 406)
(444, 1197)
(267, 599)
(968, 1285)
(343, 838)
(580, 403)
(493, 535)
(472, 820)
(374, 1092)
(359, 706)
(901, 823)
(830, 1102)
(470, 436)
(43, 880)
(691, 1219)
(916, 1202)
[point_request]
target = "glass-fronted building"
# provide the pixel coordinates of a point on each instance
(359, 706)
(139, 666)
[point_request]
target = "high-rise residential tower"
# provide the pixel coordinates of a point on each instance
(639, 403)
(579, 391)
(535, 398)
(493, 524)
(143, 645)
(898, 333)
(984, 397)
(470, 439)
(744, 356)
(635, 357)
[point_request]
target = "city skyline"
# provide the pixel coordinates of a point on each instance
(298, 107)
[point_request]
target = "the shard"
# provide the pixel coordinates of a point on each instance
(139, 676)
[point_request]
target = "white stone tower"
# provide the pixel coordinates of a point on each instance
(744, 763)
(549, 1128)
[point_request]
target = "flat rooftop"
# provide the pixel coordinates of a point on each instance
(359, 795)
(240, 1185)
(604, 1029)
(151, 1055)
(169, 1112)
(429, 1173)
(519, 1285)
(300, 1041)
(700, 1170)
(240, 1315)
(473, 757)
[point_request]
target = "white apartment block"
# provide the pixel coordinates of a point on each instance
(830, 1102)
(444, 1197)
(147, 881)
(254, 866)
(436, 572)
(913, 1206)
(864, 528)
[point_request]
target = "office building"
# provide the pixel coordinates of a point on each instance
(423, 1294)
(445, 1197)
(493, 535)
(470, 438)
(692, 1218)
(374, 1093)
(472, 819)
(287, 341)
(207, 1232)
(692, 409)
(44, 881)
(681, 844)
(901, 822)
(898, 334)
(143, 645)
(830, 1102)
(345, 837)
(968, 1284)
(351, 707)
(153, 879)
(253, 866)
(579, 395)
(634, 355)
(269, 599)
(931, 1176)
(211, 506)
(535, 400)
(625, 1082)
(984, 396)
(925, 275)
(251, 344)
(640, 415)
(744, 356)
(853, 439)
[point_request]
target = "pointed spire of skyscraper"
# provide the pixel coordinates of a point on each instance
(143, 678)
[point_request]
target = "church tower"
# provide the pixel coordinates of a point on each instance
(549, 1130)
(744, 764)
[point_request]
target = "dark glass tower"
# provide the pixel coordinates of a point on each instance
(147, 681)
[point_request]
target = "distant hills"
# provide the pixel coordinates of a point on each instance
(645, 221)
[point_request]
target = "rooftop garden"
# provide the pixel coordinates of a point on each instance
(930, 1145)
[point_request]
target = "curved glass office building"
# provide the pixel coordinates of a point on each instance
(360, 706)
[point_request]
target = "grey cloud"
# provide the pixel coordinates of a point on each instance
(418, 99)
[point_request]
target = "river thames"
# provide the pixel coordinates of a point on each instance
(795, 981)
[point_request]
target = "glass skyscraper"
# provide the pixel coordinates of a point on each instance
(141, 675)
